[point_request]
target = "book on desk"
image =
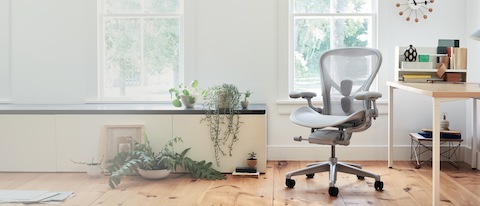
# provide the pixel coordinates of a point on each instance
(444, 134)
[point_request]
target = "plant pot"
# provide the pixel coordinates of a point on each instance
(186, 102)
(252, 162)
(244, 104)
(153, 174)
(223, 101)
(94, 170)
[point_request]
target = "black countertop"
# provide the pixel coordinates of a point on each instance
(149, 108)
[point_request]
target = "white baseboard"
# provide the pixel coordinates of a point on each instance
(367, 153)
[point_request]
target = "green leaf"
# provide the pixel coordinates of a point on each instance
(194, 84)
(190, 99)
(182, 155)
(176, 103)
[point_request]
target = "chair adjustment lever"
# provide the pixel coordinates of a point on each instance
(298, 138)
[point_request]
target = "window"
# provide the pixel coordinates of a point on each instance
(320, 25)
(140, 52)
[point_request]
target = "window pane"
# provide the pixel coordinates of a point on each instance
(139, 7)
(141, 49)
(122, 6)
(122, 64)
(161, 54)
(162, 6)
(313, 36)
(332, 6)
(311, 40)
(309, 6)
(126, 72)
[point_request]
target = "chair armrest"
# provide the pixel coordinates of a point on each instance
(371, 97)
(308, 96)
(305, 95)
(367, 95)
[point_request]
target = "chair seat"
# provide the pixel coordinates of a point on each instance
(307, 117)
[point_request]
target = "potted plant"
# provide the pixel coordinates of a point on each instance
(144, 161)
(221, 103)
(184, 94)
(252, 159)
(94, 169)
(245, 102)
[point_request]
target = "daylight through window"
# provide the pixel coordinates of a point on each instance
(320, 25)
(141, 53)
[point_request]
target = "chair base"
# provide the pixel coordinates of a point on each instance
(333, 166)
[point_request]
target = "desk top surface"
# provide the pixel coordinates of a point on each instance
(442, 90)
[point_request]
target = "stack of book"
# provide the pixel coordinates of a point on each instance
(459, 58)
(422, 78)
(444, 134)
(246, 171)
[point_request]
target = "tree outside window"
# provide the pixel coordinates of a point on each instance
(321, 25)
(140, 58)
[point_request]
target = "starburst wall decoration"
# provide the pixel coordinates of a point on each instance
(415, 8)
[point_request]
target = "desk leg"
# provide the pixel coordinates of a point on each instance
(390, 126)
(474, 135)
(436, 152)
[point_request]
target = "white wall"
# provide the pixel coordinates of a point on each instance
(473, 24)
(53, 50)
(4, 50)
(51, 58)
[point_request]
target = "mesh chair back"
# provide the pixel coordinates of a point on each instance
(343, 73)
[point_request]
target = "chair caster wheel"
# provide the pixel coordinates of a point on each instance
(360, 177)
(378, 185)
(310, 175)
(418, 166)
(333, 191)
(290, 183)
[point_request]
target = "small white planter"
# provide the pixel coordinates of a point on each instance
(186, 103)
(94, 170)
(153, 174)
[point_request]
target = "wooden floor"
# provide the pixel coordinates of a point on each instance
(403, 185)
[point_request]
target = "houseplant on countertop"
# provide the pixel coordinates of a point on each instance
(186, 94)
(245, 102)
(143, 160)
(221, 103)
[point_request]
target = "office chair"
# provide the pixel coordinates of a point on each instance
(346, 75)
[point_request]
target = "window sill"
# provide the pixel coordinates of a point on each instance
(5, 101)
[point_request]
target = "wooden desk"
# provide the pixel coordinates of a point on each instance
(440, 92)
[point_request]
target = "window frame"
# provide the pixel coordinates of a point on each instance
(101, 15)
(291, 35)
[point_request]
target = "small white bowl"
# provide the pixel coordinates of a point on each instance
(153, 174)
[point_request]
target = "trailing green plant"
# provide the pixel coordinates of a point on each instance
(143, 157)
(189, 93)
(221, 105)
